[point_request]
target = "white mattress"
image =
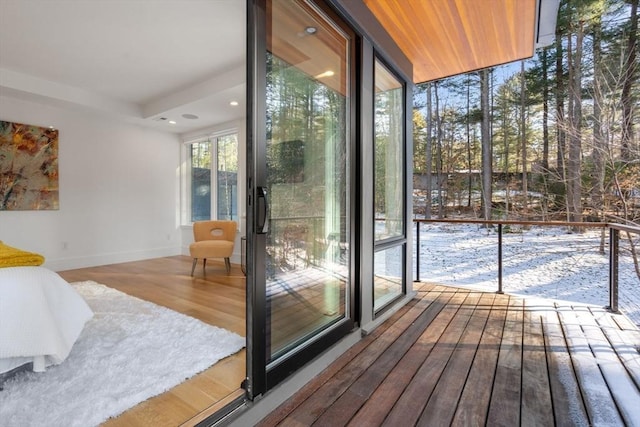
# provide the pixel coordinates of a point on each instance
(41, 317)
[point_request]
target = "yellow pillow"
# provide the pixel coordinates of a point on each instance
(12, 257)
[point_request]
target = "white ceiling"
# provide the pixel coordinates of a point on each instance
(141, 60)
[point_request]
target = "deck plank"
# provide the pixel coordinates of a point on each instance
(598, 401)
(474, 403)
(407, 409)
(308, 412)
(359, 392)
(622, 388)
(626, 343)
(376, 408)
(504, 408)
(465, 358)
(442, 405)
(536, 392)
(278, 415)
(568, 408)
(428, 292)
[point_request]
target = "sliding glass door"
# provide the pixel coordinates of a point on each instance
(301, 181)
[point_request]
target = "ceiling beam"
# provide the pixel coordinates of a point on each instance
(195, 92)
(23, 85)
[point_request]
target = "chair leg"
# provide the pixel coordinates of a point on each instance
(193, 266)
(204, 265)
(227, 264)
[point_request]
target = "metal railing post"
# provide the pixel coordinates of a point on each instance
(417, 251)
(614, 237)
(500, 259)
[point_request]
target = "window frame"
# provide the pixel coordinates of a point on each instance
(212, 138)
(384, 244)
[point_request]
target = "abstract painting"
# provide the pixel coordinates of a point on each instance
(28, 167)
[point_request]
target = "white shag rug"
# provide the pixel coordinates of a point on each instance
(130, 351)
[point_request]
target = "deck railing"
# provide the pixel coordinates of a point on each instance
(613, 230)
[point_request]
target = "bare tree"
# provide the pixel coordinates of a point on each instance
(468, 132)
(439, 152)
(574, 155)
(629, 73)
(560, 116)
(429, 152)
(599, 148)
(523, 133)
(487, 156)
(545, 109)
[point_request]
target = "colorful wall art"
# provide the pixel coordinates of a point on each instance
(28, 167)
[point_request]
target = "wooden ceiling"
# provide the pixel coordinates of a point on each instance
(447, 37)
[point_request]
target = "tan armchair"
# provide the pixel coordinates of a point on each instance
(212, 239)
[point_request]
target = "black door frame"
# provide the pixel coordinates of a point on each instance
(259, 378)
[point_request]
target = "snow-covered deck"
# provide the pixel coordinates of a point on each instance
(457, 356)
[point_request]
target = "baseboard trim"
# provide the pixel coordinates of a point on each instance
(72, 263)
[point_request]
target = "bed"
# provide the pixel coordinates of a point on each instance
(41, 317)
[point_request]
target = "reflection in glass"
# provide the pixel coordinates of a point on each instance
(389, 165)
(387, 276)
(307, 263)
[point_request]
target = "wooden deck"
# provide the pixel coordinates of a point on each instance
(465, 358)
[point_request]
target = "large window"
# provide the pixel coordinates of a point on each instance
(214, 178)
(389, 184)
(389, 163)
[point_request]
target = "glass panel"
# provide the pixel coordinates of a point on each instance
(387, 276)
(227, 161)
(200, 181)
(307, 264)
(389, 165)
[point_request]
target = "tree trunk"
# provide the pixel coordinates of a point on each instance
(574, 161)
(429, 153)
(598, 153)
(439, 151)
(468, 125)
(545, 110)
(504, 105)
(560, 119)
(629, 73)
(486, 145)
(523, 135)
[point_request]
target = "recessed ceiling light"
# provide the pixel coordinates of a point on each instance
(311, 30)
(327, 73)
(190, 116)
(234, 103)
(172, 122)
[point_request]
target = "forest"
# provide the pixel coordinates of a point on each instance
(554, 137)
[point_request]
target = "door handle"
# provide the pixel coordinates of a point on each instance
(262, 225)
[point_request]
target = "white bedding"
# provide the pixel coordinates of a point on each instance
(41, 316)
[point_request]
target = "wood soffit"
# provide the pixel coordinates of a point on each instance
(448, 37)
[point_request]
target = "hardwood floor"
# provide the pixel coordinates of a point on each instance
(215, 298)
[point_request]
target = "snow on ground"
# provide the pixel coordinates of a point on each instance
(547, 262)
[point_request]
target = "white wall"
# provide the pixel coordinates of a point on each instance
(119, 191)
